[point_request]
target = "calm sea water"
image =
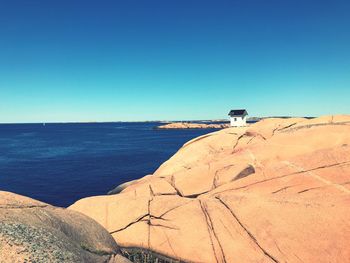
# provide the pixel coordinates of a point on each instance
(61, 163)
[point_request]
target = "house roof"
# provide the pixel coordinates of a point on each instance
(239, 112)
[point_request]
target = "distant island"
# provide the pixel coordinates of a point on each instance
(189, 125)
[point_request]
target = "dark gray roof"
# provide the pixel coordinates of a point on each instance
(238, 112)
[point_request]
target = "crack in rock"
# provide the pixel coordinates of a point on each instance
(139, 219)
(237, 141)
(149, 217)
(309, 189)
(253, 238)
(279, 128)
(246, 134)
(316, 125)
(285, 175)
(172, 183)
(216, 176)
(166, 212)
(169, 227)
(283, 188)
(211, 232)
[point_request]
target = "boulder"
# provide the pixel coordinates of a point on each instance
(32, 231)
(276, 191)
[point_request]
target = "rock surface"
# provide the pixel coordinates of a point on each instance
(190, 125)
(277, 191)
(32, 231)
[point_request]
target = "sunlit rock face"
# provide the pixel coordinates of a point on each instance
(32, 231)
(277, 191)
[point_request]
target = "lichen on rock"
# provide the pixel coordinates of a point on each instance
(32, 231)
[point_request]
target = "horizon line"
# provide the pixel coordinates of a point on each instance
(139, 121)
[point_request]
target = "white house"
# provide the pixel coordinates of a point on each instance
(238, 118)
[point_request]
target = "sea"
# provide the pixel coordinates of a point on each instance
(60, 163)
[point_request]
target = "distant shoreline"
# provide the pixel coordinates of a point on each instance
(249, 119)
(189, 125)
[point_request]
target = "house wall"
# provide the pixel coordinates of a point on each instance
(240, 121)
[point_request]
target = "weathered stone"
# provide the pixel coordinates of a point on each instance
(276, 191)
(32, 231)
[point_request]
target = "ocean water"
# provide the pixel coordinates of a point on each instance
(61, 163)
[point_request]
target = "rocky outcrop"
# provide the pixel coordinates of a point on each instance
(277, 191)
(32, 231)
(190, 125)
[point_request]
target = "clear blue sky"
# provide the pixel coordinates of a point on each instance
(172, 59)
